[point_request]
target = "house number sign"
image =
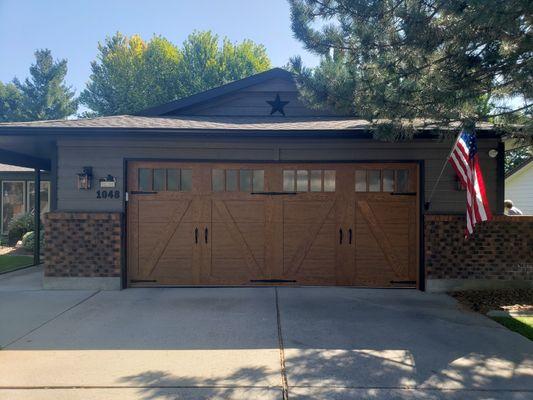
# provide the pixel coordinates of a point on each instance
(108, 194)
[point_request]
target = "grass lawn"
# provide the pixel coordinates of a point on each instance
(522, 325)
(11, 263)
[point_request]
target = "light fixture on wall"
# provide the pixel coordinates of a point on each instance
(493, 153)
(85, 178)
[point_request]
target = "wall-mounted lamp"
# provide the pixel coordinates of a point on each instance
(108, 182)
(493, 153)
(85, 178)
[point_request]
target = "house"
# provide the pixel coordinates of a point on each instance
(519, 186)
(245, 185)
(18, 193)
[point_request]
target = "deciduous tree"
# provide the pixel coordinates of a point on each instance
(131, 74)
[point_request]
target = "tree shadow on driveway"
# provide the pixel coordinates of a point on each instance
(223, 343)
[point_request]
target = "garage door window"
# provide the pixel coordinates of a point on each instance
(384, 180)
(234, 180)
(374, 180)
(315, 180)
(402, 180)
(161, 179)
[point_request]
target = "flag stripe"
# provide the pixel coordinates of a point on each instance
(465, 161)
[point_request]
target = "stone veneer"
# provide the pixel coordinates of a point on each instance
(499, 254)
(83, 245)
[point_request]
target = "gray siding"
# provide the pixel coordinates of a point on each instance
(253, 102)
(107, 156)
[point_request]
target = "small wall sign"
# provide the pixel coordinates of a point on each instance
(108, 182)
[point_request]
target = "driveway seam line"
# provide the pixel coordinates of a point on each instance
(51, 319)
(284, 382)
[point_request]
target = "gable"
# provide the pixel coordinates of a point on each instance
(244, 98)
(252, 101)
(521, 176)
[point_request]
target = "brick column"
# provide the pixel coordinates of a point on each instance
(499, 254)
(83, 245)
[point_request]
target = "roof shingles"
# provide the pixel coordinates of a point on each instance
(268, 123)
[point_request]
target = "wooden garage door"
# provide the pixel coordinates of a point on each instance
(242, 224)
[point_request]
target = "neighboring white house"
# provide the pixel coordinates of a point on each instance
(519, 186)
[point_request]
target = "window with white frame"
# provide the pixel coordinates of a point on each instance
(18, 197)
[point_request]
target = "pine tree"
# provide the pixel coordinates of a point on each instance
(10, 103)
(402, 60)
(45, 94)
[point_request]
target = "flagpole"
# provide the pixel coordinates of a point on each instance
(428, 203)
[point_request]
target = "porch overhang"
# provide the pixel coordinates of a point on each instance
(24, 160)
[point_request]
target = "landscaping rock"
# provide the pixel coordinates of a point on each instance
(483, 301)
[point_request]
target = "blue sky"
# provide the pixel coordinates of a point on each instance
(72, 29)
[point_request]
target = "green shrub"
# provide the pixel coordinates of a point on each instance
(29, 238)
(18, 226)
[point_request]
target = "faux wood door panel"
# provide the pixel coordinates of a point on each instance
(236, 250)
(240, 236)
(309, 247)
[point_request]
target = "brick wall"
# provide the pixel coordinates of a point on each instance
(501, 249)
(83, 244)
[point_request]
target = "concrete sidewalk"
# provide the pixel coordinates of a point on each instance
(252, 343)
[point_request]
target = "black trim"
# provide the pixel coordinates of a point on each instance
(141, 192)
(403, 193)
(500, 178)
(270, 161)
(421, 198)
(37, 218)
(421, 230)
(124, 233)
(23, 160)
(273, 281)
(276, 193)
(214, 133)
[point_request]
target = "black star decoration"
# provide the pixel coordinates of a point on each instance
(277, 105)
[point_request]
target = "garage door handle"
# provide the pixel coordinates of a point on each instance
(340, 236)
(206, 233)
(350, 236)
(196, 235)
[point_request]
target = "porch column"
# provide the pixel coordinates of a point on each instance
(37, 216)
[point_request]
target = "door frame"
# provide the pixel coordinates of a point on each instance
(420, 163)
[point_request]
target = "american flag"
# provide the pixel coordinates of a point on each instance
(465, 161)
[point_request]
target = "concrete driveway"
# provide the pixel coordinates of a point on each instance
(252, 343)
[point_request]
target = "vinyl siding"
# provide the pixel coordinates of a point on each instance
(519, 189)
(253, 102)
(107, 156)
